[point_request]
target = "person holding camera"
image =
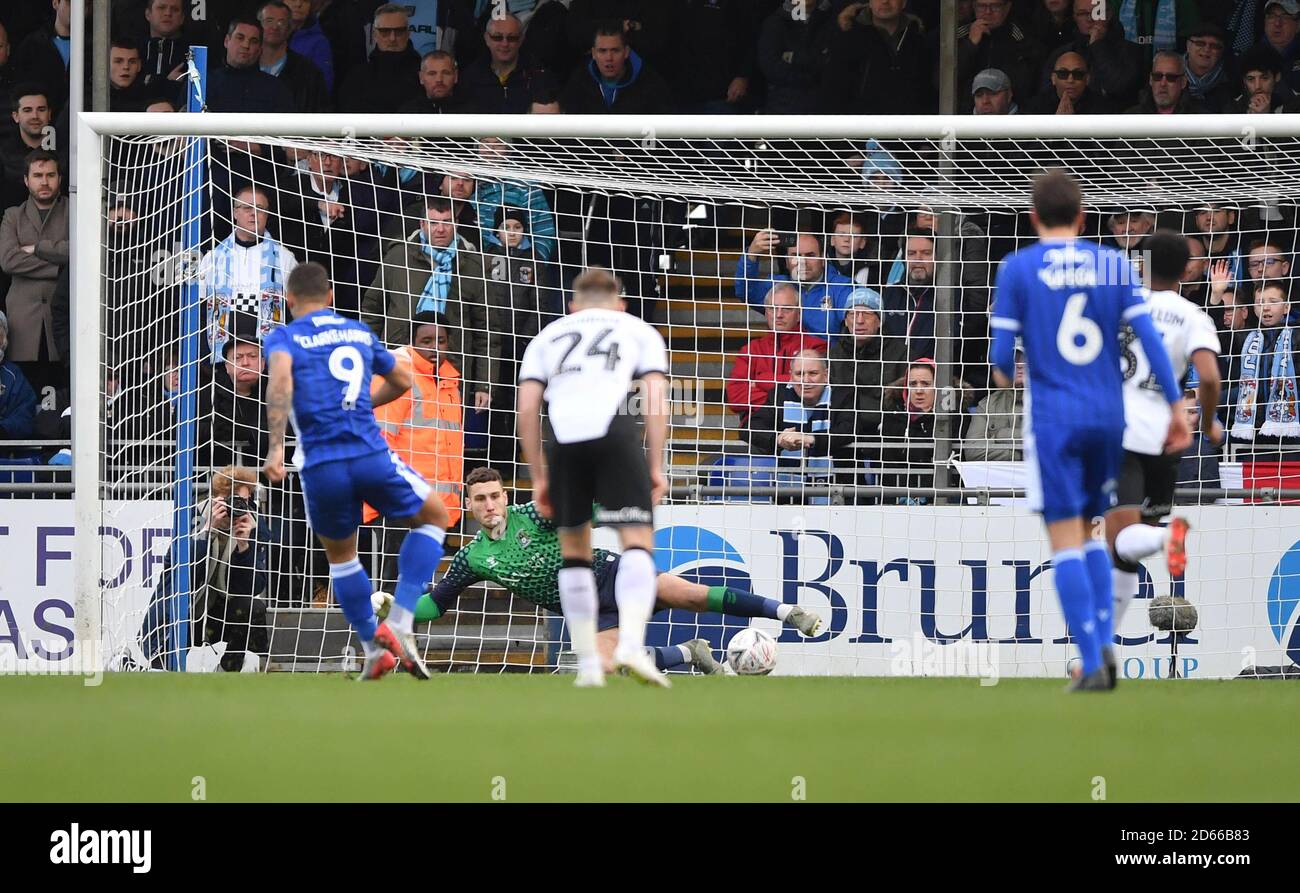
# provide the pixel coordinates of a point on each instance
(228, 580)
(823, 290)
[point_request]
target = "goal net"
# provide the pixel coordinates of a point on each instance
(824, 289)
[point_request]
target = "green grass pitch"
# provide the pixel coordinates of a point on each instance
(145, 737)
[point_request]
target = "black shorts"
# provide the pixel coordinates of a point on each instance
(609, 471)
(1147, 483)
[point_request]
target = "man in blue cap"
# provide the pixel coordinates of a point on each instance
(863, 362)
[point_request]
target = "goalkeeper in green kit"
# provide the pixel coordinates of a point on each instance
(519, 550)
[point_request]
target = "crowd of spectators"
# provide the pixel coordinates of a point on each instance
(871, 340)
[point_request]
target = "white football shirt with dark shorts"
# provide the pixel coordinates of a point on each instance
(587, 362)
(1148, 476)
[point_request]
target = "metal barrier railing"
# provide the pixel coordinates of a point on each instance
(953, 495)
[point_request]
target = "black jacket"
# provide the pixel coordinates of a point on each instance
(305, 83)
(1114, 64)
(1282, 101)
(1009, 49)
(40, 62)
(348, 247)
(231, 428)
(383, 84)
(13, 164)
(913, 447)
(344, 24)
(860, 371)
(870, 72)
(909, 317)
(482, 92)
(135, 98)
(1089, 103)
(715, 45)
(792, 55)
(1187, 105)
(765, 422)
(639, 92)
(1046, 31)
(247, 90)
(423, 105)
(160, 56)
(652, 39)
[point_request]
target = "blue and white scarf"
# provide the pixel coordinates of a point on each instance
(1166, 24)
(815, 419)
(1280, 416)
(1201, 86)
(434, 296)
(223, 297)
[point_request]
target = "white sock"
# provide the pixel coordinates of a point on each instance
(400, 620)
(578, 601)
(370, 648)
(783, 611)
(1126, 589)
(634, 590)
(1138, 541)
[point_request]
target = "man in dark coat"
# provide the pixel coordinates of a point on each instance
(390, 78)
(615, 81)
(240, 85)
(879, 62)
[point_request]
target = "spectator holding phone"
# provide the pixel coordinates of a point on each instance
(823, 290)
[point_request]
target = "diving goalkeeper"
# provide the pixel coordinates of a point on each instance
(519, 550)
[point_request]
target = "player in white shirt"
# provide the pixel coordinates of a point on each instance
(583, 366)
(1148, 476)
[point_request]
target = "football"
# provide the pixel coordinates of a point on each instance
(751, 652)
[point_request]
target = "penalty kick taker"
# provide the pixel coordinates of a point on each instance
(519, 550)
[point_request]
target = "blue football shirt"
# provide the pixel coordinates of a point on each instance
(333, 361)
(1066, 300)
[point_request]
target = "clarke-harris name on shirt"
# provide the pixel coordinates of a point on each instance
(334, 336)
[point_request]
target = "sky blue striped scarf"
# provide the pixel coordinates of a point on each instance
(434, 296)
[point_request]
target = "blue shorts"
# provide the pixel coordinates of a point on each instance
(1073, 469)
(334, 492)
(607, 605)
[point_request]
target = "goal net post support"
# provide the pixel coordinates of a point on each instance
(762, 170)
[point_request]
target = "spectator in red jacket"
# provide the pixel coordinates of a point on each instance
(765, 362)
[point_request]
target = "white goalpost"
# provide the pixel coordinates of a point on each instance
(899, 518)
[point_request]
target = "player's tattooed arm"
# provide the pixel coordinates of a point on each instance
(396, 383)
(279, 398)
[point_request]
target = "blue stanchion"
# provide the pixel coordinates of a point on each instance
(194, 185)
